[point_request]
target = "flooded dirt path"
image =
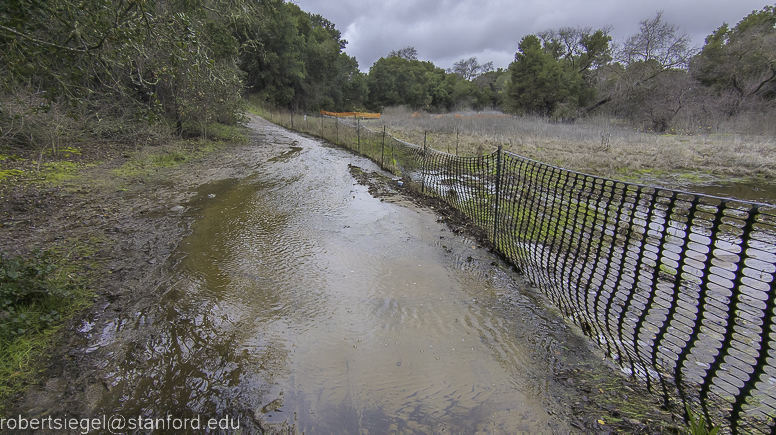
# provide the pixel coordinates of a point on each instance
(301, 298)
(299, 302)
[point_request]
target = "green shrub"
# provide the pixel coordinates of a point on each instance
(30, 293)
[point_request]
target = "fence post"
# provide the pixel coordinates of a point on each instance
(393, 155)
(498, 191)
(321, 125)
(457, 132)
(358, 134)
(423, 166)
(292, 120)
(336, 127)
(382, 151)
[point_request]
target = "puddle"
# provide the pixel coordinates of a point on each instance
(764, 193)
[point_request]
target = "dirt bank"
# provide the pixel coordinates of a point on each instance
(131, 225)
(135, 223)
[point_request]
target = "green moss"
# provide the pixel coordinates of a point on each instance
(130, 169)
(650, 172)
(11, 157)
(8, 173)
(170, 159)
(64, 151)
(641, 176)
(227, 133)
(61, 171)
(143, 163)
(693, 177)
(61, 166)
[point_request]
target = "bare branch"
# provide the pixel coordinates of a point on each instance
(658, 41)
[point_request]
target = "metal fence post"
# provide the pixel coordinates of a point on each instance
(382, 151)
(457, 132)
(498, 190)
(393, 152)
(358, 134)
(423, 166)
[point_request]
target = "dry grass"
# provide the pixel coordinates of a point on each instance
(596, 146)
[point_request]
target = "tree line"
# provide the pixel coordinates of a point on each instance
(653, 78)
(120, 68)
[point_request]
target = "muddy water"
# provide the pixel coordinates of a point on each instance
(763, 193)
(301, 302)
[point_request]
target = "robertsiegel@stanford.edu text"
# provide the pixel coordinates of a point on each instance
(118, 423)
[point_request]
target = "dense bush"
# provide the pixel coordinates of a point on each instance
(131, 70)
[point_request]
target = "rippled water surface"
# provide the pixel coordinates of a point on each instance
(763, 193)
(303, 302)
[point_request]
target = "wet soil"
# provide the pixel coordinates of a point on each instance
(136, 224)
(132, 224)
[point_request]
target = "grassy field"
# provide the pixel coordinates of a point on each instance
(598, 146)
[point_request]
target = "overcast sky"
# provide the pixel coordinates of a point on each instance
(445, 31)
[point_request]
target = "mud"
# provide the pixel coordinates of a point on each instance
(137, 225)
(134, 223)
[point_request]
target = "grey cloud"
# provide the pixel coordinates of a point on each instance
(444, 31)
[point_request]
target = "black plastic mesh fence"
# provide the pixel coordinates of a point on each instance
(678, 288)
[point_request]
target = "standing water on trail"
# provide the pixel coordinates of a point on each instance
(300, 302)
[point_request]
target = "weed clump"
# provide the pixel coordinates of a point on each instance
(30, 294)
(38, 292)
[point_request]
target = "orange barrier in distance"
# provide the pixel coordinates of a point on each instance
(351, 114)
